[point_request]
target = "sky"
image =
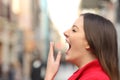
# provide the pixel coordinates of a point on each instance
(63, 13)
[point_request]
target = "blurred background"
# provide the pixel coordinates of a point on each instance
(27, 27)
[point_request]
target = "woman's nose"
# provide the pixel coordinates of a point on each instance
(66, 34)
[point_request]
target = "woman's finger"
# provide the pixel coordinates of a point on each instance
(58, 57)
(51, 50)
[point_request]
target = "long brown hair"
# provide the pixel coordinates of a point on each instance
(102, 38)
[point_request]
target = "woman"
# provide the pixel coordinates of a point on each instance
(92, 48)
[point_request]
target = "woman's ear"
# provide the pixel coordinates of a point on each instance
(87, 47)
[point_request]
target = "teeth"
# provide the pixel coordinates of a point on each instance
(66, 46)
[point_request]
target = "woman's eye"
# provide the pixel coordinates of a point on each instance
(74, 30)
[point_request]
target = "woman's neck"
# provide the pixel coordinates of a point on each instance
(85, 59)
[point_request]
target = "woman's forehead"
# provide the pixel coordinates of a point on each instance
(79, 21)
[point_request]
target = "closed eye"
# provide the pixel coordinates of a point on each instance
(74, 30)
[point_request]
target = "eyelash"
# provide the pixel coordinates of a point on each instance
(73, 30)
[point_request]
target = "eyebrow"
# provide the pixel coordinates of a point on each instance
(75, 26)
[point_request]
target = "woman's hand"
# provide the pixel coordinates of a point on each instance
(52, 64)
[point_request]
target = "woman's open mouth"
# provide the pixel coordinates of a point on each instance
(68, 46)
